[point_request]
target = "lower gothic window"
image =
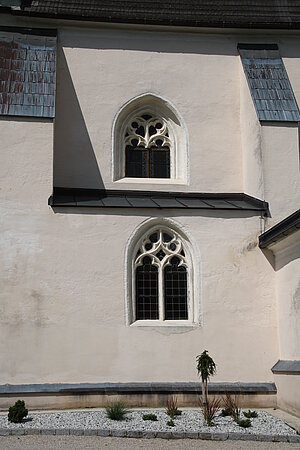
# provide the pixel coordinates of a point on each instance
(161, 277)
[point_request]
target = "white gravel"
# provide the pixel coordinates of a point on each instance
(190, 420)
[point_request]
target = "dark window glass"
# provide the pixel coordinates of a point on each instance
(147, 163)
(159, 163)
(136, 162)
(147, 291)
(175, 291)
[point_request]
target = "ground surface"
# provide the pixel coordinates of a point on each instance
(92, 443)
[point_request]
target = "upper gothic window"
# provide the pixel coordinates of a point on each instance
(147, 147)
(149, 143)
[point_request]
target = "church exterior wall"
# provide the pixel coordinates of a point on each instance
(63, 294)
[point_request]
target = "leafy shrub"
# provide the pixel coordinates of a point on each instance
(225, 412)
(210, 409)
(171, 423)
(116, 411)
(232, 406)
(250, 414)
(17, 412)
(172, 409)
(245, 423)
(152, 417)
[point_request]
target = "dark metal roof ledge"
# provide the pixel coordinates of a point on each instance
(281, 230)
(101, 198)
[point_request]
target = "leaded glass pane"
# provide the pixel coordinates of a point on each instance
(147, 291)
(175, 291)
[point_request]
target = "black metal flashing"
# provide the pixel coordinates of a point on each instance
(63, 197)
(52, 32)
(287, 367)
(214, 13)
(281, 230)
(136, 388)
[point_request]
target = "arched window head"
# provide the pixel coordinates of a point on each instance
(149, 142)
(162, 277)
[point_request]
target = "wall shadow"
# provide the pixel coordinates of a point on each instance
(166, 40)
(74, 161)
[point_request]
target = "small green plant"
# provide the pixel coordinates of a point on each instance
(17, 412)
(116, 411)
(152, 417)
(225, 412)
(210, 409)
(250, 414)
(244, 423)
(206, 368)
(172, 409)
(171, 423)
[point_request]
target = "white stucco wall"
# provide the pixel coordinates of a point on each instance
(62, 288)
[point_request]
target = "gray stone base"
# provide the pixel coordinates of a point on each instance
(152, 435)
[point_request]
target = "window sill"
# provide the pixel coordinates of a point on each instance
(164, 323)
(168, 181)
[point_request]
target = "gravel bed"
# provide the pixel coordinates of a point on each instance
(191, 420)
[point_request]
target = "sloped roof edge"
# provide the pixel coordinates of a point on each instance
(281, 230)
(213, 13)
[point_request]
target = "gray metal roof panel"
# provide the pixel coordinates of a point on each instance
(141, 202)
(269, 84)
(168, 202)
(147, 199)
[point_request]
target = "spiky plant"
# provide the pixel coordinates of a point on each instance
(210, 409)
(116, 411)
(172, 409)
(206, 368)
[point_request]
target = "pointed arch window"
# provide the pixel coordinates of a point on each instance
(149, 143)
(162, 277)
(147, 147)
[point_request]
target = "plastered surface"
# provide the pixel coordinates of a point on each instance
(62, 307)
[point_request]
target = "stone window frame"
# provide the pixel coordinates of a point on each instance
(165, 111)
(192, 260)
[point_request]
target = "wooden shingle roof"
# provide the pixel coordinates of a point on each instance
(203, 13)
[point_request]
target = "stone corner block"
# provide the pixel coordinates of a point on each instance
(76, 432)
(18, 432)
(149, 434)
(164, 434)
(118, 433)
(236, 436)
(220, 436)
(266, 438)
(134, 434)
(178, 434)
(90, 432)
(47, 432)
(104, 433)
(294, 438)
(251, 437)
(192, 435)
(62, 432)
(33, 431)
(206, 436)
(4, 432)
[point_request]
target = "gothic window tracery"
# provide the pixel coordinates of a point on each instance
(147, 147)
(161, 277)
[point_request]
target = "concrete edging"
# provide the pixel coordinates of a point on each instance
(151, 434)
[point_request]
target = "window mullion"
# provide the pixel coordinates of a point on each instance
(161, 294)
